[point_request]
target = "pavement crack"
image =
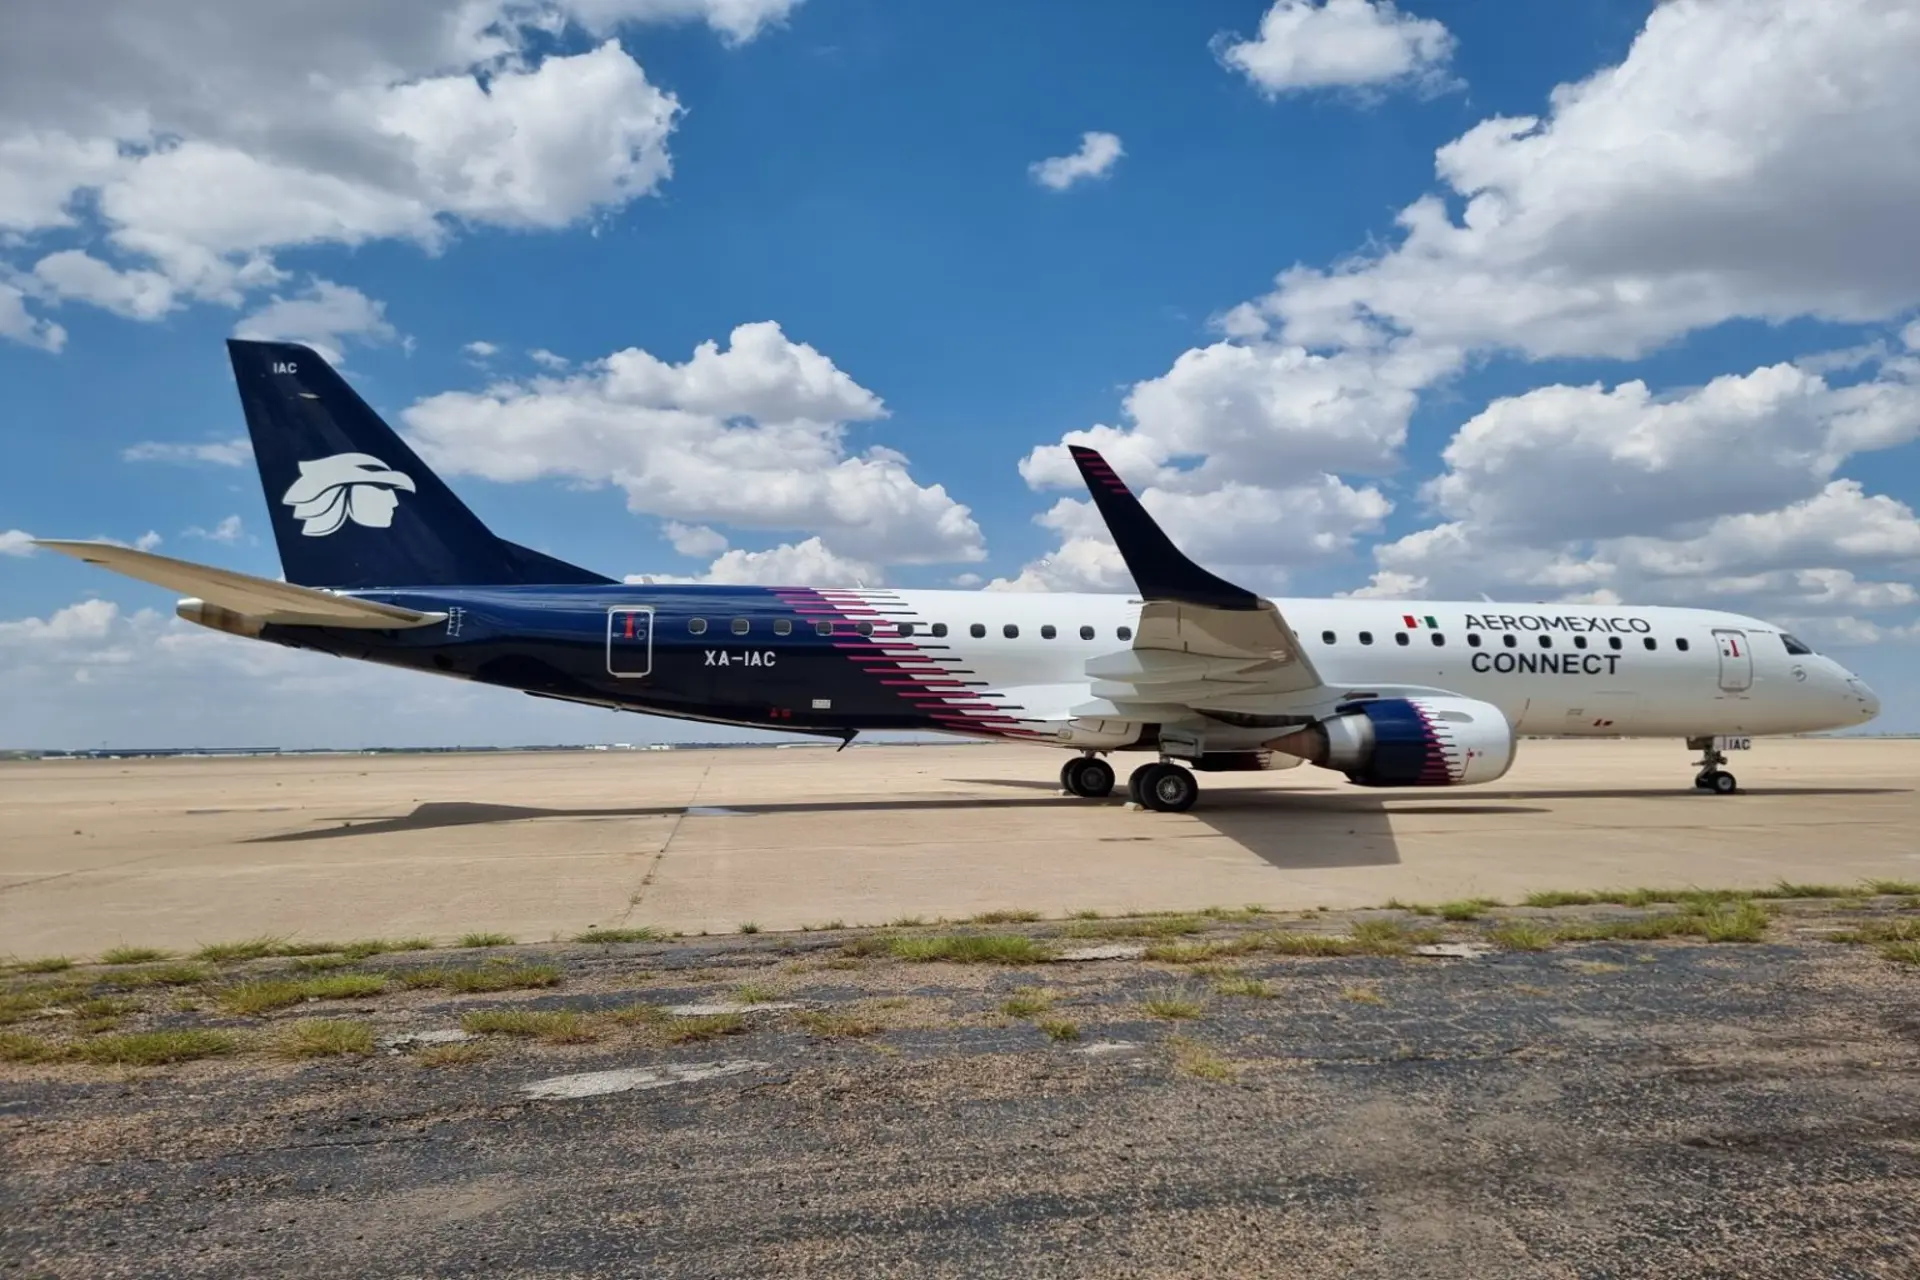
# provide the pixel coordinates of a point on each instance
(653, 868)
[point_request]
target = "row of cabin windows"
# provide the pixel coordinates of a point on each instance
(784, 627)
(1512, 640)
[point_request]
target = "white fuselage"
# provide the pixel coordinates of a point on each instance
(1573, 670)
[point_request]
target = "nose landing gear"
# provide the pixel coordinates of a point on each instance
(1711, 776)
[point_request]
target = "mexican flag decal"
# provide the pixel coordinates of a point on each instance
(1414, 624)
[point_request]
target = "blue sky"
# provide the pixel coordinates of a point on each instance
(1319, 390)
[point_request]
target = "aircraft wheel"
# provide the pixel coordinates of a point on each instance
(1169, 789)
(1136, 783)
(1088, 777)
(1723, 783)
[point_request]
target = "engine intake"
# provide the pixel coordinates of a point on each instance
(1408, 742)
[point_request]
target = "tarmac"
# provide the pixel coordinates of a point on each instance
(176, 852)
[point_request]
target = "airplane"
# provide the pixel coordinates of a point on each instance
(384, 564)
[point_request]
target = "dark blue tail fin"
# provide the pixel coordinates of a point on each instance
(352, 505)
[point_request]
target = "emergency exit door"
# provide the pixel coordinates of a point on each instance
(630, 641)
(1736, 661)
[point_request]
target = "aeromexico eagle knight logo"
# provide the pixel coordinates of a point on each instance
(348, 486)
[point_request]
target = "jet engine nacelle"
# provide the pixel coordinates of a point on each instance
(1408, 742)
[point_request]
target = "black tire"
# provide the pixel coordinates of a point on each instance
(1070, 776)
(1703, 781)
(1169, 789)
(1723, 783)
(1093, 778)
(1136, 782)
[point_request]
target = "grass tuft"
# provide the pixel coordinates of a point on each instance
(364, 947)
(1414, 908)
(1896, 930)
(1894, 888)
(1027, 1002)
(829, 1023)
(1242, 985)
(153, 1048)
(177, 974)
(1173, 1003)
(499, 976)
(1467, 908)
(250, 999)
(1901, 952)
(754, 993)
(704, 1027)
(1058, 1028)
(909, 922)
(552, 1026)
(1192, 1058)
(1137, 927)
(965, 948)
(1790, 889)
(1523, 935)
(17, 1046)
(45, 964)
(1360, 994)
(639, 933)
(636, 1015)
(475, 940)
(1560, 898)
(748, 926)
(1004, 916)
(134, 955)
(324, 1038)
(452, 1055)
(249, 949)
(318, 964)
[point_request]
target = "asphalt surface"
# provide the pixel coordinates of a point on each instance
(1597, 1110)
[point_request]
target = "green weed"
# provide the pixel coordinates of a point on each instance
(134, 955)
(153, 1048)
(477, 940)
(323, 1038)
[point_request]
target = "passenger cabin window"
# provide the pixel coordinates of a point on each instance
(1086, 633)
(1681, 644)
(1439, 639)
(1125, 633)
(821, 627)
(904, 628)
(783, 626)
(697, 626)
(1010, 631)
(939, 629)
(1579, 642)
(1326, 637)
(1511, 640)
(741, 626)
(1399, 637)
(864, 628)
(1613, 642)
(1651, 643)
(1047, 632)
(1366, 637)
(1795, 647)
(978, 630)
(1546, 642)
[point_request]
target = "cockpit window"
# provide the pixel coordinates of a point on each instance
(1795, 647)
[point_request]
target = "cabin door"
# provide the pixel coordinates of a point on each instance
(630, 641)
(1736, 661)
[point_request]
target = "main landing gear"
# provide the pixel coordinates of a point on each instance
(1711, 776)
(1163, 787)
(1088, 777)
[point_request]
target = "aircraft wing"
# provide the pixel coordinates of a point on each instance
(269, 601)
(1203, 643)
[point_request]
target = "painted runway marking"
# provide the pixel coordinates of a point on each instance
(1103, 1048)
(709, 1010)
(408, 1039)
(592, 1084)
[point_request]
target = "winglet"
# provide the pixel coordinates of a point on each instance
(1160, 569)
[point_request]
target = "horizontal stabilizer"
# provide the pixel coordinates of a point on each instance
(267, 601)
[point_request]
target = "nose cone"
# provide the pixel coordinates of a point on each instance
(1868, 699)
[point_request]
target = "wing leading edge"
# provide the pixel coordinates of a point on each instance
(1203, 643)
(259, 598)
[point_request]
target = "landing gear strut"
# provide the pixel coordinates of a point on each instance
(1088, 777)
(1163, 787)
(1711, 776)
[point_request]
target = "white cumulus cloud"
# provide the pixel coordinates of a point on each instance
(323, 318)
(1097, 155)
(16, 542)
(1329, 44)
(750, 435)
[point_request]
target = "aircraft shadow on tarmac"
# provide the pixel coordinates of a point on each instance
(1287, 829)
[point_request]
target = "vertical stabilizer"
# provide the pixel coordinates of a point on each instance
(352, 505)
